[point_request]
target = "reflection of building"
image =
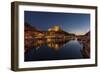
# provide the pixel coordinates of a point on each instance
(55, 46)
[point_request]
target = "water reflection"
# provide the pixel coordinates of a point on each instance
(38, 43)
(55, 44)
(53, 49)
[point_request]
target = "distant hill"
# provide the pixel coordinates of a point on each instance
(29, 27)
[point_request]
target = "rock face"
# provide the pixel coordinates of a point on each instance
(87, 34)
(86, 43)
(85, 40)
(28, 36)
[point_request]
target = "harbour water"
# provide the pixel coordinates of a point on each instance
(59, 50)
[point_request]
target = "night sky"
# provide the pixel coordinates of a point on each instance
(70, 22)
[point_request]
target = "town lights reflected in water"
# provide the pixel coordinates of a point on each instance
(54, 49)
(51, 43)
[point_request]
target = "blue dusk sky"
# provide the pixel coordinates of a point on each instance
(70, 22)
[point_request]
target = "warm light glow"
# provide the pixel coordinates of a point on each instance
(48, 40)
(79, 33)
(57, 46)
(56, 28)
(49, 29)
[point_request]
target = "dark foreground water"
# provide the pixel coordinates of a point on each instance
(54, 51)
